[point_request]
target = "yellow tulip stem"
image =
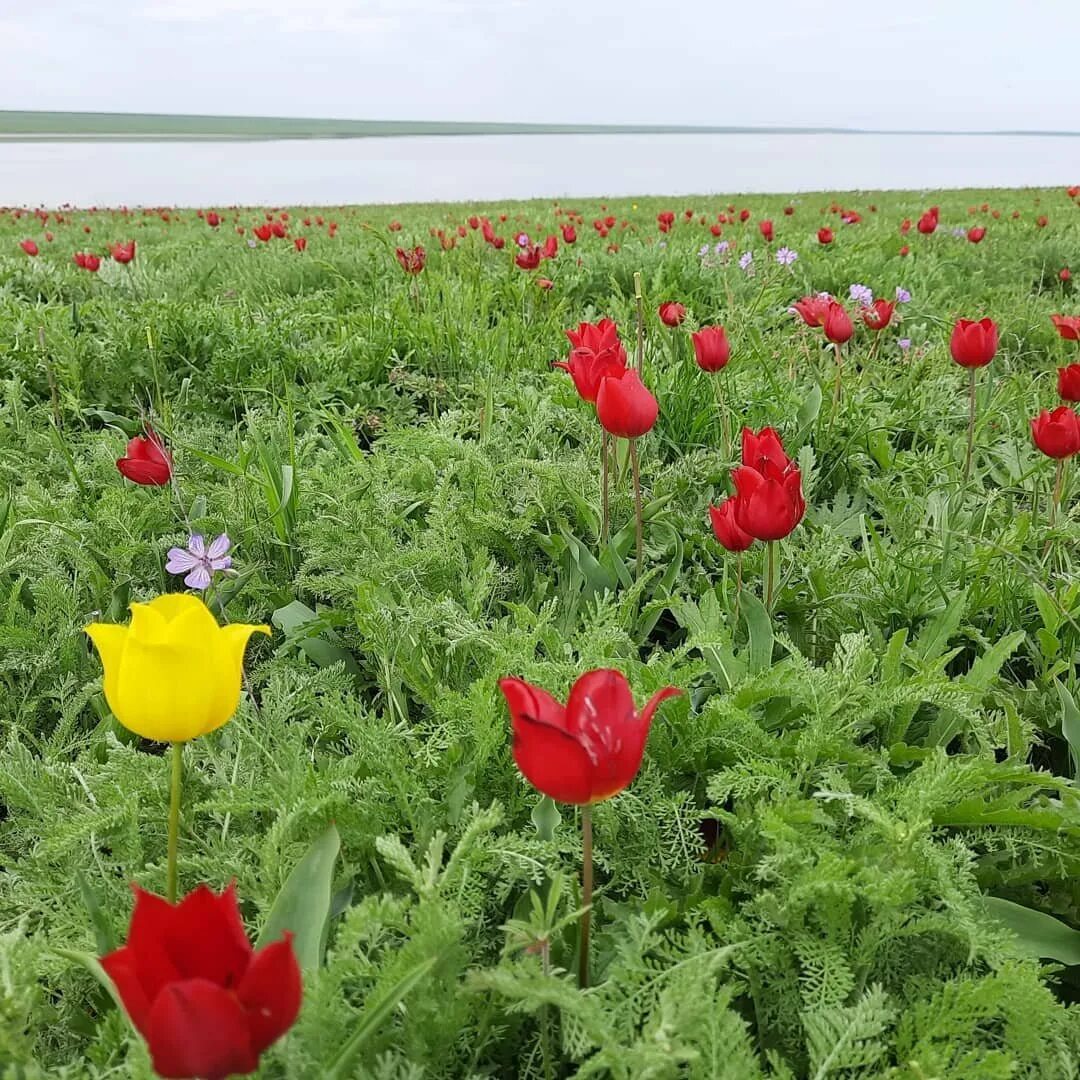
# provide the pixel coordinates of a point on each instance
(586, 894)
(174, 819)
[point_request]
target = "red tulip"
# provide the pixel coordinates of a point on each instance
(768, 504)
(973, 344)
(205, 1002)
(412, 260)
(766, 228)
(812, 309)
(905, 250)
(671, 313)
(716, 230)
(278, 229)
(762, 448)
(394, 226)
(1042, 221)
(545, 283)
(838, 325)
(1064, 274)
(975, 234)
(1057, 433)
(263, 232)
(529, 257)
(146, 462)
(825, 235)
(88, 261)
(928, 223)
(624, 405)
(550, 247)
(587, 751)
(905, 226)
(123, 253)
(213, 220)
(29, 247)
(726, 528)
(1069, 383)
(300, 243)
(1068, 326)
(569, 234)
(744, 215)
(879, 314)
(596, 352)
(788, 211)
(712, 350)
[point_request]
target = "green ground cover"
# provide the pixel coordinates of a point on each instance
(796, 883)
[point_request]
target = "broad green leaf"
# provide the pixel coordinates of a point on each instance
(303, 905)
(760, 631)
(985, 669)
(934, 637)
(1070, 725)
(1038, 934)
(546, 817)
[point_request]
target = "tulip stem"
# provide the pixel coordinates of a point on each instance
(725, 420)
(770, 574)
(636, 470)
(738, 584)
(586, 894)
(971, 425)
(639, 352)
(174, 819)
(839, 373)
(604, 511)
(1059, 484)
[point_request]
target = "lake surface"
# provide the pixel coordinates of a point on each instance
(492, 167)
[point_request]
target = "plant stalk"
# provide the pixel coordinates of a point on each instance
(770, 574)
(971, 425)
(636, 470)
(586, 894)
(174, 820)
(605, 520)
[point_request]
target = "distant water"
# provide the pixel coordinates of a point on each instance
(492, 167)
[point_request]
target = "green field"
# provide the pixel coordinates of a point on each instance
(805, 880)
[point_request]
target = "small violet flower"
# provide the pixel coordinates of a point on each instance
(746, 260)
(522, 239)
(863, 294)
(721, 247)
(200, 562)
(902, 296)
(904, 343)
(703, 251)
(785, 256)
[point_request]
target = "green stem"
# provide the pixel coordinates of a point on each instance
(1059, 483)
(604, 511)
(725, 420)
(639, 353)
(586, 894)
(738, 584)
(770, 574)
(174, 819)
(636, 470)
(837, 390)
(971, 425)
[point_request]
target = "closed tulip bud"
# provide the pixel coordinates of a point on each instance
(550, 247)
(879, 314)
(29, 247)
(1057, 433)
(569, 234)
(905, 251)
(838, 325)
(300, 243)
(1064, 274)
(412, 260)
(213, 220)
(587, 751)
(1069, 383)
(975, 234)
(123, 253)
(146, 462)
(760, 448)
(173, 674)
(278, 229)
(768, 504)
(711, 348)
(726, 528)
(812, 309)
(928, 223)
(766, 228)
(206, 1003)
(263, 232)
(624, 405)
(1042, 221)
(671, 313)
(529, 257)
(825, 235)
(973, 344)
(1068, 326)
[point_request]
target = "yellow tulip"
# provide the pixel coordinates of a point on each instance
(172, 674)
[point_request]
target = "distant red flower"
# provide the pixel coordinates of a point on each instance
(278, 229)
(766, 228)
(412, 260)
(123, 253)
(624, 405)
(587, 751)
(528, 258)
(1068, 326)
(300, 243)
(726, 529)
(973, 344)
(545, 283)
(928, 223)
(550, 248)
(716, 229)
(812, 309)
(569, 234)
(206, 1003)
(788, 211)
(825, 235)
(146, 461)
(213, 219)
(87, 261)
(1057, 433)
(905, 250)
(1042, 221)
(1064, 274)
(671, 313)
(879, 314)
(837, 325)
(394, 226)
(263, 231)
(905, 226)
(976, 233)
(744, 215)
(711, 348)
(29, 247)
(1068, 384)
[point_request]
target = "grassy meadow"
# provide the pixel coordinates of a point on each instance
(852, 850)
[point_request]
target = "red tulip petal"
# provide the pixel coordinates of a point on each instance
(122, 967)
(600, 711)
(651, 705)
(532, 703)
(271, 992)
(553, 761)
(147, 473)
(197, 1029)
(207, 938)
(151, 924)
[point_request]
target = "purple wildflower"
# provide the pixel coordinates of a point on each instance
(746, 260)
(198, 561)
(522, 239)
(902, 296)
(703, 251)
(863, 293)
(904, 343)
(785, 256)
(721, 247)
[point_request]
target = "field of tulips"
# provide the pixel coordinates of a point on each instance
(542, 640)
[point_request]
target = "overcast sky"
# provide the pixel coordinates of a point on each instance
(911, 63)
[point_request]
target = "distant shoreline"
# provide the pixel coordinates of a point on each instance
(31, 126)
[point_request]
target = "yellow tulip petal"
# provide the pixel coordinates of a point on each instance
(230, 660)
(109, 639)
(171, 606)
(147, 623)
(192, 623)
